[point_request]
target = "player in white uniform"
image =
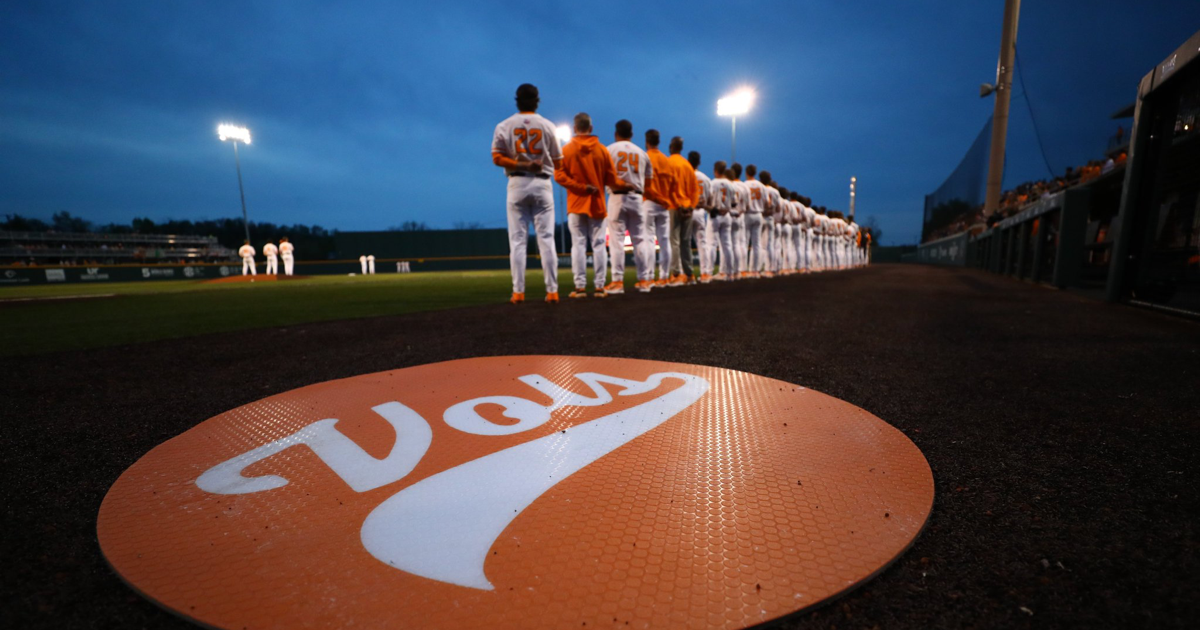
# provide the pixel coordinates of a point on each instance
(800, 232)
(625, 210)
(525, 145)
(701, 223)
(772, 220)
(362, 264)
(271, 251)
(723, 199)
(753, 223)
(371, 264)
(286, 251)
(783, 239)
(738, 212)
(246, 251)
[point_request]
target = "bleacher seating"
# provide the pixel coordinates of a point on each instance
(62, 248)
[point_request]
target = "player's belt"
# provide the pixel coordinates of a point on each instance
(521, 174)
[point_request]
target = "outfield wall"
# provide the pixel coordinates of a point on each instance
(49, 274)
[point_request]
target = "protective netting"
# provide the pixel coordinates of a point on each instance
(963, 191)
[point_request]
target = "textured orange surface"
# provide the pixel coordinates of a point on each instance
(760, 499)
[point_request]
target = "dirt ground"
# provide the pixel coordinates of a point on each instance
(1062, 432)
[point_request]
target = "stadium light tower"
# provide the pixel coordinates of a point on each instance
(853, 181)
(1002, 90)
(735, 105)
(563, 133)
(237, 134)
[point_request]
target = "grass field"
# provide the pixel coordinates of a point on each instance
(31, 322)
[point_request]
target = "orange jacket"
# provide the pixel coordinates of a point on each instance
(687, 189)
(660, 189)
(586, 161)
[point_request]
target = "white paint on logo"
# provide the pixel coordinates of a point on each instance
(354, 465)
(443, 526)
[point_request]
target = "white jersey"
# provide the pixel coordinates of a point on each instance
(269, 250)
(632, 163)
(722, 194)
(246, 251)
(775, 201)
(528, 135)
(741, 199)
(757, 193)
(810, 218)
(286, 249)
(706, 190)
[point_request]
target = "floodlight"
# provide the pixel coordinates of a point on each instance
(736, 104)
(563, 133)
(233, 132)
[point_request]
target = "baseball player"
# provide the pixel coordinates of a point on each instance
(246, 251)
(286, 251)
(625, 210)
(687, 196)
(524, 145)
(656, 207)
(771, 223)
(738, 224)
(362, 263)
(587, 169)
(783, 212)
(702, 223)
(724, 200)
(754, 223)
(810, 236)
(371, 264)
(271, 251)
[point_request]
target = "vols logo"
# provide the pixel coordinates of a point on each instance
(518, 492)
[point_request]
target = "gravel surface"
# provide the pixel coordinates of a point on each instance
(1062, 432)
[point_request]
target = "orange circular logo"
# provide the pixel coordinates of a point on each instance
(519, 492)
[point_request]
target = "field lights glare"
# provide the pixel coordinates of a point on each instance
(563, 133)
(233, 132)
(736, 104)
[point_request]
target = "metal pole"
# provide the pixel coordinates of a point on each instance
(237, 161)
(852, 181)
(734, 157)
(1008, 45)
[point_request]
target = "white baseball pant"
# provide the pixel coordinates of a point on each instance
(723, 231)
(585, 231)
(531, 201)
(625, 213)
(248, 266)
(658, 226)
(272, 266)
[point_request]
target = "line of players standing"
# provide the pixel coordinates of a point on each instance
(272, 253)
(751, 228)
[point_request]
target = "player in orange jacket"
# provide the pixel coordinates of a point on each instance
(587, 168)
(686, 195)
(656, 208)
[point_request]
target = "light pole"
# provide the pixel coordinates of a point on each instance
(733, 106)
(237, 134)
(1003, 91)
(563, 134)
(853, 180)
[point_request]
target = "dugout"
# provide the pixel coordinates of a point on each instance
(1156, 243)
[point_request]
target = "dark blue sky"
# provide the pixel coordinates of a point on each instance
(368, 114)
